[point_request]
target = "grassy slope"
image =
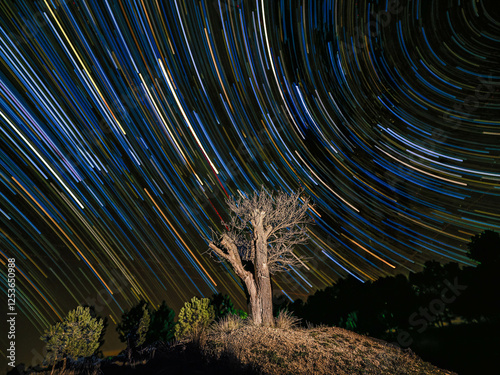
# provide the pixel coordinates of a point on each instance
(260, 350)
(322, 350)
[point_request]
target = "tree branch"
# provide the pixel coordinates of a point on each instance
(232, 255)
(280, 218)
(218, 251)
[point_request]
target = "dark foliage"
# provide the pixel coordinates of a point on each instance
(131, 321)
(162, 326)
(443, 299)
(385, 306)
(481, 300)
(224, 306)
(485, 248)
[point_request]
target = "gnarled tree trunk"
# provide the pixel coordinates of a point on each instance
(248, 278)
(262, 274)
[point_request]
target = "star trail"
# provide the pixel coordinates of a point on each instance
(124, 126)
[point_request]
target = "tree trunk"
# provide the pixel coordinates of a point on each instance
(265, 296)
(255, 302)
(248, 277)
(262, 275)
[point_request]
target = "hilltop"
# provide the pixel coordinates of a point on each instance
(248, 349)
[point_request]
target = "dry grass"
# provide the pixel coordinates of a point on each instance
(233, 346)
(320, 350)
(227, 324)
(286, 320)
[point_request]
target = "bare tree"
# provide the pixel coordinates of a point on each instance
(259, 241)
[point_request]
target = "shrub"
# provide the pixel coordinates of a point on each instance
(227, 324)
(224, 306)
(134, 325)
(286, 320)
(78, 335)
(162, 326)
(194, 318)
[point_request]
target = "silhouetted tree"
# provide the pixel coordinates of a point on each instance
(349, 301)
(134, 325)
(162, 325)
(481, 299)
(429, 284)
(320, 307)
(387, 305)
(335, 305)
(485, 248)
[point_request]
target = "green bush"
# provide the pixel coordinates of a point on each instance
(351, 321)
(224, 306)
(135, 325)
(194, 318)
(78, 335)
(162, 327)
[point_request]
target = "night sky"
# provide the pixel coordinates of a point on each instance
(125, 125)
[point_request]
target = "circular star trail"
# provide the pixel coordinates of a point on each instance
(125, 126)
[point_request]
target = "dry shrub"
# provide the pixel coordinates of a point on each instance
(286, 320)
(227, 324)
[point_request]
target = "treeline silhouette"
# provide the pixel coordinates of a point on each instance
(447, 302)
(74, 344)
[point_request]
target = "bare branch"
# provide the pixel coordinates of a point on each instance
(284, 218)
(219, 252)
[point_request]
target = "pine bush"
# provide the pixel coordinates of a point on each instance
(194, 318)
(130, 321)
(134, 325)
(77, 336)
